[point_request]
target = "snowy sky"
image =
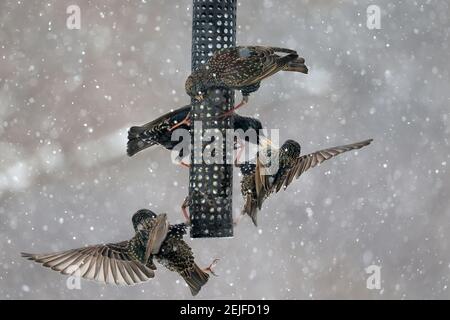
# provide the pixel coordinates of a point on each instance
(67, 98)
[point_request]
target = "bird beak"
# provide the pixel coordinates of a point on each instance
(157, 236)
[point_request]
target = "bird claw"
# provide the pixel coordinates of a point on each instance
(184, 164)
(211, 266)
(227, 114)
(186, 121)
(232, 110)
(184, 207)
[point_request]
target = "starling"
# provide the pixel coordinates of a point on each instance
(242, 68)
(248, 190)
(159, 131)
(131, 262)
(176, 255)
(256, 185)
(248, 123)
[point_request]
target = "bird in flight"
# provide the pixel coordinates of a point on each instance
(259, 180)
(131, 262)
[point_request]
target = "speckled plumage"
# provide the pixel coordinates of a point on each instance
(248, 190)
(257, 186)
(131, 262)
(254, 194)
(121, 263)
(158, 131)
(176, 255)
(242, 68)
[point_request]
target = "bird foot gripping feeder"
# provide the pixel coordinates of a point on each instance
(211, 184)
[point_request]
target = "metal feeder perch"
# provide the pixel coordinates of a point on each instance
(211, 185)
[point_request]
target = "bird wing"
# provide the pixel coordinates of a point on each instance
(183, 111)
(270, 63)
(259, 178)
(107, 263)
(313, 159)
(267, 165)
(249, 65)
(157, 235)
(151, 133)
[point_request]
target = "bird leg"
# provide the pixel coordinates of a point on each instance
(238, 219)
(211, 266)
(186, 121)
(232, 110)
(186, 204)
(184, 207)
(184, 164)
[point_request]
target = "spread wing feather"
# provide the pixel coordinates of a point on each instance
(106, 263)
(316, 158)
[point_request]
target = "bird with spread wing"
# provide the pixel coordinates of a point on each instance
(131, 262)
(261, 178)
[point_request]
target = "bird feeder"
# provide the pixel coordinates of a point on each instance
(211, 184)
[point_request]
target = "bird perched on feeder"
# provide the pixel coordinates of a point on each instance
(159, 132)
(131, 262)
(242, 68)
(258, 183)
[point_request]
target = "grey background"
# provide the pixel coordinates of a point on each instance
(67, 98)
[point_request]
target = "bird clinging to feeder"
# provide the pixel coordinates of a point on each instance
(257, 184)
(159, 131)
(242, 68)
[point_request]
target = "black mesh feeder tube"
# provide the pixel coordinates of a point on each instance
(211, 184)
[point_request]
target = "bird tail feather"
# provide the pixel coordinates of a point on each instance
(297, 65)
(287, 59)
(195, 278)
(284, 50)
(251, 209)
(135, 143)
